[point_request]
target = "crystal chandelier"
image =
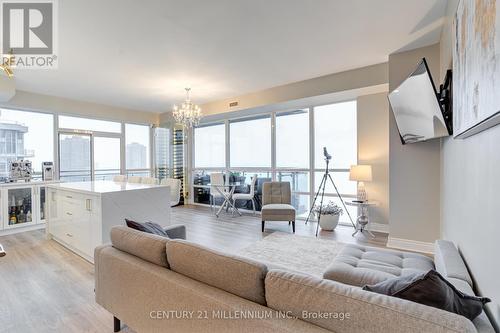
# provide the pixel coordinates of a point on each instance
(188, 114)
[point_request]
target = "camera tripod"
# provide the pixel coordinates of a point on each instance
(321, 189)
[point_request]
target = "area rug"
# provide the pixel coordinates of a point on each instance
(303, 254)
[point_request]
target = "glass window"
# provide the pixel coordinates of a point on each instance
(250, 142)
(292, 139)
(25, 135)
(137, 146)
(210, 146)
(251, 145)
(341, 179)
(299, 181)
(335, 128)
(106, 158)
(138, 173)
(301, 202)
(244, 178)
(201, 190)
(87, 124)
(74, 157)
(162, 152)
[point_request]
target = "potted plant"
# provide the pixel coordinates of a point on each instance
(330, 214)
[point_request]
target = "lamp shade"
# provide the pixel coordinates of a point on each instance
(361, 173)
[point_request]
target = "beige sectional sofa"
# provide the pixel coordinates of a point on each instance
(154, 284)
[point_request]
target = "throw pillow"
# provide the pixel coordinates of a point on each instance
(149, 227)
(433, 290)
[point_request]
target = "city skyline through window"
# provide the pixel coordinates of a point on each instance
(25, 135)
(30, 136)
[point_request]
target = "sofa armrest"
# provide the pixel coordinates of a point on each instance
(176, 231)
(449, 262)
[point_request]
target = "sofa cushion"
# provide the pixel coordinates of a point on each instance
(237, 275)
(342, 308)
(149, 247)
(449, 263)
(149, 227)
(482, 323)
(278, 209)
(359, 265)
(433, 290)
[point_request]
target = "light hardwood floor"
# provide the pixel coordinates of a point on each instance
(46, 288)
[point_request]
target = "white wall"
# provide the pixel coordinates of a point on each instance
(470, 195)
(414, 169)
(337, 82)
(38, 102)
(373, 149)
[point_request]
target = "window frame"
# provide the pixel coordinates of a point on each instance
(271, 117)
(55, 156)
(56, 130)
(274, 170)
(150, 168)
(226, 155)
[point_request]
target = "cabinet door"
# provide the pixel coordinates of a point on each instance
(60, 219)
(79, 208)
(41, 204)
(20, 206)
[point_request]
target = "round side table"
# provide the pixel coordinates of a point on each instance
(363, 219)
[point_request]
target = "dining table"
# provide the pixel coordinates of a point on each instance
(226, 191)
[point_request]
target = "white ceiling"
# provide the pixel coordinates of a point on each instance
(141, 54)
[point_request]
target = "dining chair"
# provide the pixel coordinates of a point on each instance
(175, 190)
(216, 178)
(120, 178)
(149, 180)
(250, 196)
(134, 179)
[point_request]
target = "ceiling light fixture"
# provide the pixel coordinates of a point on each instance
(188, 114)
(8, 61)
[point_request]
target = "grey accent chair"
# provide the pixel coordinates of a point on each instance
(276, 203)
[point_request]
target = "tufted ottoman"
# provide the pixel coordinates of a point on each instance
(360, 265)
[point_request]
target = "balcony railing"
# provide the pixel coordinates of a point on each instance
(85, 175)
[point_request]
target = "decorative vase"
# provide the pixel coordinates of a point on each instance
(329, 222)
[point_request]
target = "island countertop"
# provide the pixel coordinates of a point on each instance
(81, 214)
(101, 186)
(30, 183)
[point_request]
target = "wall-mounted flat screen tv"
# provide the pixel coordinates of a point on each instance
(418, 112)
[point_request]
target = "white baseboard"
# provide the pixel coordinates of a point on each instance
(12, 231)
(410, 245)
(378, 227)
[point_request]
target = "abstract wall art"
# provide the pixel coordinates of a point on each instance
(476, 67)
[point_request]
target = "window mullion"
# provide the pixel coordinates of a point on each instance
(273, 145)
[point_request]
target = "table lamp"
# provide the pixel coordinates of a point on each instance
(361, 174)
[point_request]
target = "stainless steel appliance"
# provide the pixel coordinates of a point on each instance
(20, 170)
(47, 171)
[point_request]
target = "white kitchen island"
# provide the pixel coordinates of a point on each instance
(81, 214)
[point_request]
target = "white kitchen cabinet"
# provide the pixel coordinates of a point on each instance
(81, 214)
(22, 206)
(74, 221)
